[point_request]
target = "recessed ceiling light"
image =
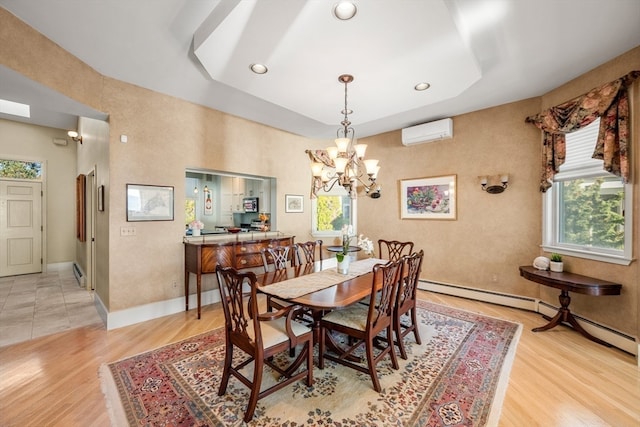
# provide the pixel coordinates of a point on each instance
(14, 108)
(259, 68)
(422, 86)
(344, 10)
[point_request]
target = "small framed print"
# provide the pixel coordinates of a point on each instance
(293, 203)
(428, 198)
(101, 198)
(149, 203)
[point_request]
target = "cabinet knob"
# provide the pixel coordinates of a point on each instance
(270, 246)
(243, 261)
(243, 249)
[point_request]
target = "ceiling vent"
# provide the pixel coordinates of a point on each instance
(427, 132)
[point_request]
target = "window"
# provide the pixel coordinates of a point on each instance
(20, 169)
(330, 211)
(587, 211)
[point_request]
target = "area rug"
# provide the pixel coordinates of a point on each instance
(457, 377)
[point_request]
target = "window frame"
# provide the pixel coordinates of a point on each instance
(551, 217)
(336, 191)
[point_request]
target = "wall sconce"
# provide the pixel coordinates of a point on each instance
(75, 136)
(490, 183)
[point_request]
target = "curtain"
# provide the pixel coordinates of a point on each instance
(610, 102)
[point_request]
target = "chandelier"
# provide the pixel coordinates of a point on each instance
(344, 164)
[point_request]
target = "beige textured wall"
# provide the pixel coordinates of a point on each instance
(493, 233)
(166, 136)
(22, 141)
(492, 236)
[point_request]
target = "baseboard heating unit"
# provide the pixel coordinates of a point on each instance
(79, 274)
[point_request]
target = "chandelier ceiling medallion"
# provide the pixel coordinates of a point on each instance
(344, 164)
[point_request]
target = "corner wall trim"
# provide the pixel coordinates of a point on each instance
(616, 338)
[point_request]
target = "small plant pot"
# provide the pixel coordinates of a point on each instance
(556, 266)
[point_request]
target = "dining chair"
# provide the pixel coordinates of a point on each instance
(281, 257)
(363, 324)
(393, 250)
(278, 256)
(406, 300)
(260, 337)
(306, 252)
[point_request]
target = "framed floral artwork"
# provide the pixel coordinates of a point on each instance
(428, 198)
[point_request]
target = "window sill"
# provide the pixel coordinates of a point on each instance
(612, 259)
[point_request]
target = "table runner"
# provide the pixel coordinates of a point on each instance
(298, 286)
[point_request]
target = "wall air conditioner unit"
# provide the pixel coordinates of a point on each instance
(427, 132)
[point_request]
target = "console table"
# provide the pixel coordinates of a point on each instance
(202, 257)
(569, 282)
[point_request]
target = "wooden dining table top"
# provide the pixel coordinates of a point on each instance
(341, 295)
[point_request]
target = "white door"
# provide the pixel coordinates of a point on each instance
(20, 227)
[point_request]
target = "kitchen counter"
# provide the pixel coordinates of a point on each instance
(224, 236)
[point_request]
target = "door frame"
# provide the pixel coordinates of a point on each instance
(43, 209)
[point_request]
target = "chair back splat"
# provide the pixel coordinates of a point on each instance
(363, 325)
(306, 252)
(405, 303)
(280, 257)
(260, 337)
(393, 250)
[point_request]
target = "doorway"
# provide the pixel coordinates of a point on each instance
(20, 227)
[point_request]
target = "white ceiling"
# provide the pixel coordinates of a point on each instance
(474, 53)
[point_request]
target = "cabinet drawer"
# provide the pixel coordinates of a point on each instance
(249, 248)
(248, 261)
(214, 255)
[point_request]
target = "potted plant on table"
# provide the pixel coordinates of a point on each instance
(195, 227)
(556, 263)
(343, 256)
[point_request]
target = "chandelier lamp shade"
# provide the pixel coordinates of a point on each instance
(343, 164)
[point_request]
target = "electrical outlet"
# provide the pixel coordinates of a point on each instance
(128, 231)
(494, 278)
(174, 284)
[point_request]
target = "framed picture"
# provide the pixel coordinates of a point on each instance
(428, 198)
(80, 208)
(293, 203)
(101, 198)
(208, 202)
(149, 203)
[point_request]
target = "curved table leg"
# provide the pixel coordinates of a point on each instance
(564, 315)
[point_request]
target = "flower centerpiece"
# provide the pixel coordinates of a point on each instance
(365, 244)
(196, 226)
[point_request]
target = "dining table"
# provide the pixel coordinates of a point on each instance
(319, 286)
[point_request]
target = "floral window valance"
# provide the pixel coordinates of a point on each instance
(610, 102)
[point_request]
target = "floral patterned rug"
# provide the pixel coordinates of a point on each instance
(457, 377)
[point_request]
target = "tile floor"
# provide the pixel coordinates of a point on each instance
(34, 305)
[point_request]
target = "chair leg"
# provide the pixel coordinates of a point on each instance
(310, 363)
(397, 326)
(371, 363)
(414, 320)
(255, 390)
(392, 348)
(226, 372)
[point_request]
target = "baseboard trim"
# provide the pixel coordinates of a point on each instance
(616, 338)
(141, 313)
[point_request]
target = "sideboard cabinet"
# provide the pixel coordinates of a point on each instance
(202, 257)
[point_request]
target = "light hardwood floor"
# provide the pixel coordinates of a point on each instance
(558, 377)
